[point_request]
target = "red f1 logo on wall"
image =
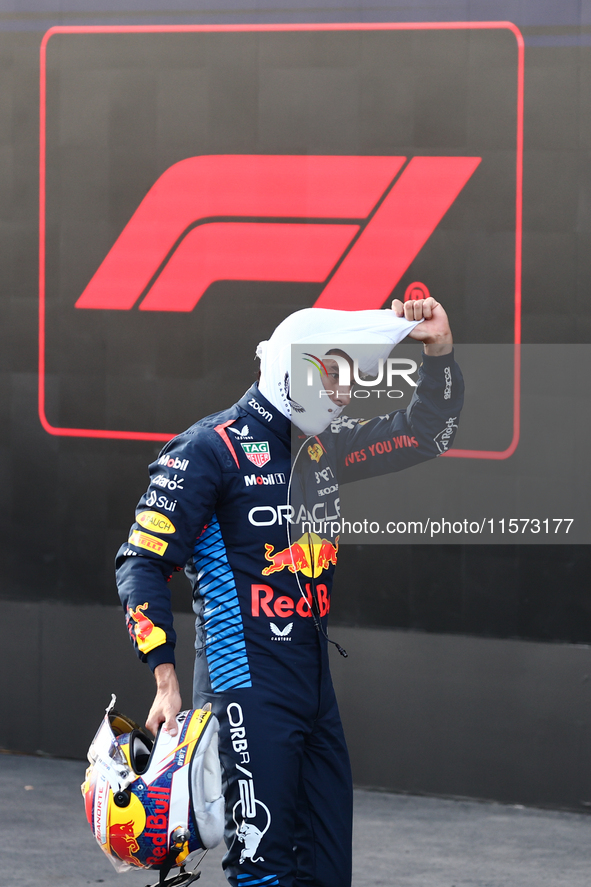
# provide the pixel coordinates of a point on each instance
(355, 222)
(220, 167)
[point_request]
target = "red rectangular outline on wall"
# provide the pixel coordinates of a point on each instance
(382, 26)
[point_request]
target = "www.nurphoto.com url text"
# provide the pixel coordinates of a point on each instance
(487, 526)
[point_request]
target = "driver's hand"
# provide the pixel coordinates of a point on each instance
(167, 702)
(434, 332)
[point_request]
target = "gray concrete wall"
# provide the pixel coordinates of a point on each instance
(424, 713)
(460, 716)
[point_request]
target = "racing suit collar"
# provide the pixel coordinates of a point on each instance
(258, 406)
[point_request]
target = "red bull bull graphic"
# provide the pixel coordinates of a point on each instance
(141, 828)
(126, 824)
(123, 842)
(294, 558)
(146, 634)
(310, 555)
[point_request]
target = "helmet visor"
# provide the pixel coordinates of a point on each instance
(105, 749)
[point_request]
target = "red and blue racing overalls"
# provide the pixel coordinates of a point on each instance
(257, 532)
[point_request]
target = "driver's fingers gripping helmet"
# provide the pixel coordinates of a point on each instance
(153, 803)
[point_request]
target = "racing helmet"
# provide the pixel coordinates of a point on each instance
(155, 803)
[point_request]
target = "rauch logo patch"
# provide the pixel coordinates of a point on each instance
(151, 520)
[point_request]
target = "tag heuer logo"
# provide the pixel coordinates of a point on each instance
(257, 453)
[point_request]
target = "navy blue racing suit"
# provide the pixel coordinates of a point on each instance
(257, 532)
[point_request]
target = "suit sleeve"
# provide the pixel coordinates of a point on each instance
(424, 430)
(185, 483)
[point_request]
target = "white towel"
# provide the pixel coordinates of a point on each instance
(366, 336)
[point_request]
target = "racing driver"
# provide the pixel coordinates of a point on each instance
(247, 501)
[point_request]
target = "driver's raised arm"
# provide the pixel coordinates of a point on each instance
(427, 427)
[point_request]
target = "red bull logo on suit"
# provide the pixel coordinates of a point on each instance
(310, 555)
(251, 817)
(146, 634)
(264, 601)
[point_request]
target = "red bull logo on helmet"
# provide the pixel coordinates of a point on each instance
(123, 841)
(126, 824)
(310, 555)
(158, 801)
